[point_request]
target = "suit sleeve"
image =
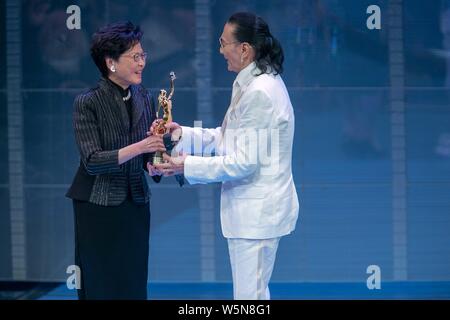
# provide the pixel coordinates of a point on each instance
(241, 145)
(87, 136)
(198, 141)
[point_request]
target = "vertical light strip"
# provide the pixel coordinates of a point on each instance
(107, 12)
(398, 140)
(205, 114)
(15, 139)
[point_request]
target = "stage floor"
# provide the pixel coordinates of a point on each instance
(284, 291)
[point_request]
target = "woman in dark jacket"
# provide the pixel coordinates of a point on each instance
(110, 192)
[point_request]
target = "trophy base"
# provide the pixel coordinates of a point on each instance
(157, 158)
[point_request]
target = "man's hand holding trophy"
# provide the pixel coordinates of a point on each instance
(171, 132)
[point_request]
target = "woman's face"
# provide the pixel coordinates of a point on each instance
(129, 67)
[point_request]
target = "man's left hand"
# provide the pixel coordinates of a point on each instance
(172, 166)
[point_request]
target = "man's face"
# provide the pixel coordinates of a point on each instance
(231, 48)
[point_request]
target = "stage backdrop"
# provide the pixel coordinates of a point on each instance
(371, 156)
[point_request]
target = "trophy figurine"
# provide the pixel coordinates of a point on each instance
(164, 103)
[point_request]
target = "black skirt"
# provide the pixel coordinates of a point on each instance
(111, 250)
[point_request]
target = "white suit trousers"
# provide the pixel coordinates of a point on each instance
(252, 264)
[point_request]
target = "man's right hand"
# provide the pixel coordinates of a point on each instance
(175, 130)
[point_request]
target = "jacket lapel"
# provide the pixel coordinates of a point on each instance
(138, 105)
(118, 108)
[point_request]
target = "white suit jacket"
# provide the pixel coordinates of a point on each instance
(251, 156)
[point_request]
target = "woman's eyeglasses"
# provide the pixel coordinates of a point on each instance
(137, 56)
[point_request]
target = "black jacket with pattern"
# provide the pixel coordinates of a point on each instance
(102, 127)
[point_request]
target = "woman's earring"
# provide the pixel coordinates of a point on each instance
(113, 69)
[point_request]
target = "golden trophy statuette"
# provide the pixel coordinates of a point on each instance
(164, 103)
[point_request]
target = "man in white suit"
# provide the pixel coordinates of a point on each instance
(259, 201)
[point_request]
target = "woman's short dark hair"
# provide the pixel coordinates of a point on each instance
(112, 41)
(253, 29)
